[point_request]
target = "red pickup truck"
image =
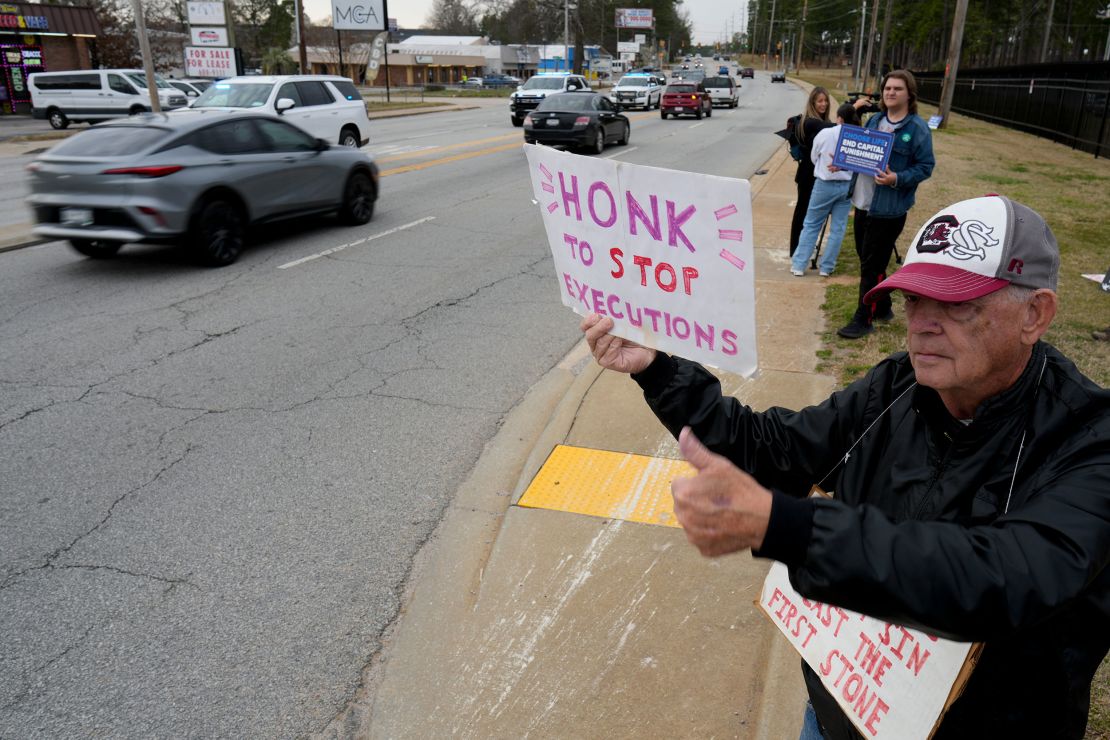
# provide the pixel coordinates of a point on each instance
(685, 99)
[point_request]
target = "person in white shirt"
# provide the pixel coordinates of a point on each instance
(830, 195)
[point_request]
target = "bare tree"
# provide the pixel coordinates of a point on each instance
(455, 17)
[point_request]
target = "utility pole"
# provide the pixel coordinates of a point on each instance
(952, 68)
(566, 34)
(882, 43)
(801, 37)
(859, 43)
(865, 70)
(148, 61)
(300, 37)
(770, 30)
(1047, 30)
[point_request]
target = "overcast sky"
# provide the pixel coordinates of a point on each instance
(713, 19)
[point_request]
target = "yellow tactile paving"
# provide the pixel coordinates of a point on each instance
(614, 485)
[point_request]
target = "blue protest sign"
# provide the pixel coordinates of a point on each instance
(862, 150)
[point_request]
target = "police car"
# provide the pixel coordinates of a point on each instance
(531, 93)
(638, 90)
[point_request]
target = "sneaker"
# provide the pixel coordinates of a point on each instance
(797, 273)
(888, 316)
(823, 274)
(855, 329)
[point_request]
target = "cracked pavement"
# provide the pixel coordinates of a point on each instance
(214, 481)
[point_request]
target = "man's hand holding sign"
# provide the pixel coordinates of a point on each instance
(971, 476)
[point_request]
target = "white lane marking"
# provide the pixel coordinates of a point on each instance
(622, 151)
(341, 247)
(699, 124)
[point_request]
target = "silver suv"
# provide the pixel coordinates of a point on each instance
(639, 90)
(327, 107)
(531, 93)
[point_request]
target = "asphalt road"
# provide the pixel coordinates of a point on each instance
(214, 482)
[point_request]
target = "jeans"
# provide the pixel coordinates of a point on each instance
(828, 196)
(811, 728)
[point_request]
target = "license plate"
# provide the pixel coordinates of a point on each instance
(77, 216)
(680, 109)
(552, 121)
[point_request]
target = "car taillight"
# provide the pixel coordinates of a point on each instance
(153, 171)
(32, 167)
(528, 120)
(582, 121)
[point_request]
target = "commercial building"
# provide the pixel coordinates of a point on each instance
(38, 38)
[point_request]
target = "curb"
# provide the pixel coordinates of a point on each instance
(420, 111)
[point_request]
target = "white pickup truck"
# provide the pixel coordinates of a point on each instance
(723, 90)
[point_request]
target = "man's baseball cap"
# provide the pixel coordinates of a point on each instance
(976, 247)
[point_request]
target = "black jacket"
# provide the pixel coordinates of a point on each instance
(920, 532)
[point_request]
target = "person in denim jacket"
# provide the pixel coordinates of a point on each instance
(882, 202)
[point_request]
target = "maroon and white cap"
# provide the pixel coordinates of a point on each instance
(976, 247)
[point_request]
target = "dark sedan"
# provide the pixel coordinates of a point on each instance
(198, 178)
(584, 119)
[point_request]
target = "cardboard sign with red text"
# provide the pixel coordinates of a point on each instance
(891, 681)
(667, 254)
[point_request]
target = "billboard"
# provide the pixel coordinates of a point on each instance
(209, 36)
(635, 18)
(202, 61)
(627, 47)
(205, 13)
(358, 15)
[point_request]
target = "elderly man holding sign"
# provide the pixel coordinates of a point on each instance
(971, 477)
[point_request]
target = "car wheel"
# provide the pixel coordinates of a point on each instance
(698, 114)
(95, 248)
(349, 137)
(625, 136)
(358, 200)
(57, 119)
(663, 114)
(218, 236)
(599, 141)
(709, 112)
(136, 110)
(518, 122)
(529, 140)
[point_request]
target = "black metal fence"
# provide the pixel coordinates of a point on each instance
(1068, 103)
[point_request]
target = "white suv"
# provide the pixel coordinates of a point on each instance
(531, 93)
(637, 91)
(325, 106)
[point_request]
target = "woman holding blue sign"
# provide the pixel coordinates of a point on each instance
(883, 201)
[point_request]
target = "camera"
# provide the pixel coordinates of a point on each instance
(871, 107)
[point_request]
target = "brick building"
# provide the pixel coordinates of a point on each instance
(39, 38)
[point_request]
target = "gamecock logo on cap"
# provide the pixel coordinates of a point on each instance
(962, 241)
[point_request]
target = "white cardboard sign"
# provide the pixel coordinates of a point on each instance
(890, 681)
(667, 254)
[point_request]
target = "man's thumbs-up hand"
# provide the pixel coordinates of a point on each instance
(722, 508)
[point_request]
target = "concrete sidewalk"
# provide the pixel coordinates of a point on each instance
(532, 622)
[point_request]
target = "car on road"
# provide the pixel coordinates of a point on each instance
(779, 76)
(722, 90)
(95, 95)
(688, 75)
(200, 178)
(500, 80)
(584, 119)
(637, 90)
(472, 82)
(190, 89)
(686, 99)
(531, 93)
(748, 72)
(723, 69)
(328, 107)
